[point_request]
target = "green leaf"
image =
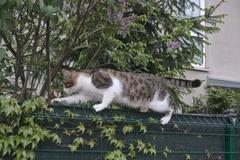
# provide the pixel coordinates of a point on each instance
(115, 155)
(73, 147)
(118, 144)
(91, 143)
(127, 129)
(2, 2)
(78, 141)
(30, 155)
(119, 118)
(70, 114)
(56, 139)
(187, 157)
(152, 149)
(4, 129)
(56, 126)
(81, 128)
(108, 131)
(2, 53)
(25, 131)
(142, 128)
(140, 145)
(152, 120)
(132, 152)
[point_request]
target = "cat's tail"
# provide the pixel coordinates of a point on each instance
(184, 83)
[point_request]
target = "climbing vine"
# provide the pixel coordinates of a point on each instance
(113, 135)
(23, 127)
(20, 132)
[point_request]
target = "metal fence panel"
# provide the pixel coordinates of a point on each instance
(202, 137)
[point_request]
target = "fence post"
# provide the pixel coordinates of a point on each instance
(230, 135)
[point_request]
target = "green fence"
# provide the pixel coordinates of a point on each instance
(195, 137)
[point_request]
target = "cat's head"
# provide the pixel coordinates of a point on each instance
(70, 81)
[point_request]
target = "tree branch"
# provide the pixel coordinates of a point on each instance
(8, 44)
(49, 79)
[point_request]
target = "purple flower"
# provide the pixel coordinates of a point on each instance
(124, 24)
(122, 2)
(116, 15)
(174, 44)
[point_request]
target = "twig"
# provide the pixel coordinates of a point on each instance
(48, 58)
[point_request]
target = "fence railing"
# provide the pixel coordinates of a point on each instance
(195, 137)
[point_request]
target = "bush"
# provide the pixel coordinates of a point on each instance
(217, 100)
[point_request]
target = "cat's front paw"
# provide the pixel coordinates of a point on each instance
(99, 107)
(58, 101)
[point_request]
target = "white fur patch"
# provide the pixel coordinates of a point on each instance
(160, 105)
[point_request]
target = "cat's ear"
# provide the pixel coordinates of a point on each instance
(66, 73)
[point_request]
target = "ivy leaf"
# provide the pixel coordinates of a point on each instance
(119, 118)
(56, 139)
(187, 157)
(4, 129)
(132, 152)
(152, 120)
(118, 144)
(36, 138)
(11, 140)
(9, 110)
(165, 152)
(73, 147)
(91, 143)
(25, 142)
(97, 119)
(127, 129)
(81, 128)
(140, 145)
(142, 127)
(115, 155)
(145, 151)
(25, 131)
(175, 126)
(70, 114)
(78, 141)
(108, 131)
(152, 149)
(89, 132)
(20, 154)
(56, 126)
(30, 155)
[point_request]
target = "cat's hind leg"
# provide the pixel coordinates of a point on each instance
(144, 109)
(166, 118)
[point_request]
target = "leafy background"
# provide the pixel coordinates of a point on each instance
(40, 36)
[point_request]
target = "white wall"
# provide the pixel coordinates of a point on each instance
(223, 55)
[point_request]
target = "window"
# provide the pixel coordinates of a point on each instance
(192, 10)
(200, 59)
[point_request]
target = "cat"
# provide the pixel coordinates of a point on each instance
(136, 90)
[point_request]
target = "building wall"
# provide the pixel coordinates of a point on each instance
(223, 55)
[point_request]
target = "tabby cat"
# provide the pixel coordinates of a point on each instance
(137, 90)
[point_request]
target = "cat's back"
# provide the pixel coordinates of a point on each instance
(139, 87)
